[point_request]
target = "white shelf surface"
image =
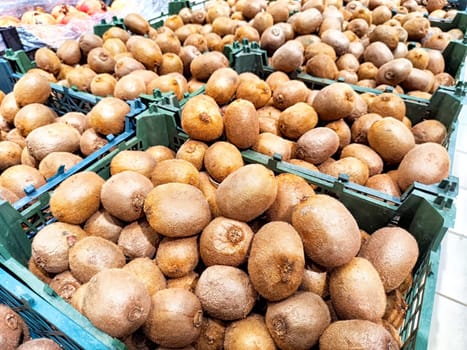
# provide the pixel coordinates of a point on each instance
(449, 320)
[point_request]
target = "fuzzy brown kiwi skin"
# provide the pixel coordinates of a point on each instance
(13, 328)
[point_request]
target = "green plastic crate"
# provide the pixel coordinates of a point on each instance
(418, 213)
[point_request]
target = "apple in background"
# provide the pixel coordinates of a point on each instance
(37, 17)
(65, 13)
(91, 7)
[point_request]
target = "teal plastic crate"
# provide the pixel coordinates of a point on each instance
(417, 212)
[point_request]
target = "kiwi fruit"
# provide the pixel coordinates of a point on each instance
(187, 282)
(77, 120)
(138, 239)
(383, 183)
(13, 328)
(51, 163)
(270, 144)
(192, 151)
(104, 225)
(298, 321)
(209, 188)
(201, 118)
(241, 123)
(342, 129)
(33, 116)
(394, 72)
(225, 292)
(225, 242)
(289, 57)
(289, 93)
(7, 195)
(315, 279)
(430, 130)
(91, 141)
(248, 334)
(357, 291)
(388, 104)
(9, 107)
(204, 65)
(175, 170)
(147, 52)
(147, 271)
(174, 308)
(258, 188)
(132, 160)
(121, 311)
(360, 334)
(222, 85)
(391, 138)
(317, 145)
(88, 41)
(69, 52)
(322, 237)
(334, 101)
(31, 88)
(366, 154)
(176, 257)
(39, 344)
(356, 169)
(291, 190)
(136, 23)
(77, 197)
(47, 60)
(256, 91)
(221, 159)
(211, 334)
(17, 177)
(276, 280)
(296, 120)
(80, 77)
(50, 247)
(65, 285)
(177, 210)
(159, 153)
(10, 154)
(272, 39)
(436, 165)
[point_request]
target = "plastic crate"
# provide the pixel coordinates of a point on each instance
(46, 321)
(419, 213)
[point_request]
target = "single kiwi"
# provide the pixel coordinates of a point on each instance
(17, 177)
(77, 197)
(256, 91)
(258, 188)
(298, 321)
(50, 164)
(226, 292)
(174, 308)
(360, 127)
(383, 183)
(138, 240)
(272, 39)
(426, 163)
(9, 107)
(241, 123)
(187, 282)
(289, 57)
(317, 145)
(356, 169)
(177, 210)
(192, 151)
(65, 285)
(31, 88)
(366, 154)
(92, 254)
(121, 311)
(430, 130)
(209, 188)
(126, 65)
(104, 225)
(88, 41)
(270, 144)
(147, 271)
(175, 170)
(108, 116)
(222, 85)
(50, 247)
(342, 129)
(10, 154)
(80, 77)
(7, 195)
(14, 329)
(221, 159)
(297, 119)
(357, 291)
(225, 242)
(315, 279)
(47, 60)
(248, 334)
(132, 160)
(388, 104)
(176, 257)
(334, 101)
(91, 141)
(204, 65)
(211, 335)
(276, 262)
(77, 120)
(394, 72)
(289, 93)
(391, 138)
(341, 335)
(69, 52)
(136, 23)
(377, 53)
(291, 190)
(159, 152)
(201, 118)
(39, 344)
(322, 237)
(55, 137)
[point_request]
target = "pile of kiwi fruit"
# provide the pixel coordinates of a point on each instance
(334, 130)
(35, 141)
(373, 44)
(193, 249)
(15, 333)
